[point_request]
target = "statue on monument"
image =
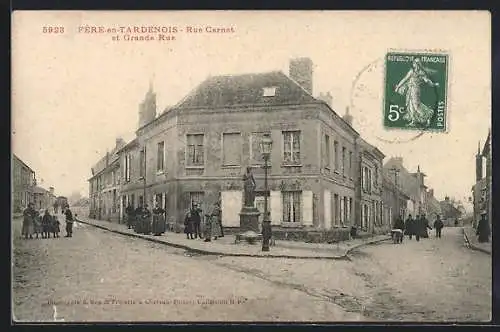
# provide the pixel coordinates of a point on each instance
(249, 188)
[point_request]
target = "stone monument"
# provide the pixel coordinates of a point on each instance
(249, 215)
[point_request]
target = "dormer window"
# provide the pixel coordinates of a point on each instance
(270, 91)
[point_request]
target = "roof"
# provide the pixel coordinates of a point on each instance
(390, 184)
(127, 146)
(22, 162)
(486, 147)
(246, 89)
(39, 190)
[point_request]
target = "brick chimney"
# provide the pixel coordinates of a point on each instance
(51, 190)
(301, 71)
(119, 143)
(147, 108)
(326, 97)
(347, 116)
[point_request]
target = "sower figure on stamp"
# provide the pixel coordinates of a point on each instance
(410, 87)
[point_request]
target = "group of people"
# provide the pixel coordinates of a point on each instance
(140, 220)
(212, 226)
(43, 224)
(419, 226)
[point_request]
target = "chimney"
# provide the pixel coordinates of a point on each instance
(51, 190)
(147, 109)
(347, 117)
(301, 71)
(431, 192)
(119, 143)
(479, 163)
(326, 97)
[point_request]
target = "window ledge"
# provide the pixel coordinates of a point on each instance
(195, 167)
(336, 172)
(291, 165)
(160, 172)
(291, 225)
(231, 166)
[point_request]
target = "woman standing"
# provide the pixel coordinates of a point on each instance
(28, 219)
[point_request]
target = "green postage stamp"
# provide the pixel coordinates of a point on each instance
(415, 91)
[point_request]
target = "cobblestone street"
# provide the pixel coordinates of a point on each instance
(97, 266)
(430, 280)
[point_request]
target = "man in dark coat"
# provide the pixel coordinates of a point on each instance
(158, 220)
(189, 224)
(69, 222)
(196, 214)
(28, 221)
(483, 229)
(410, 226)
(137, 224)
(425, 223)
(46, 224)
(130, 216)
(146, 219)
(438, 226)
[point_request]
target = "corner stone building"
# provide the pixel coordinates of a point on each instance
(198, 151)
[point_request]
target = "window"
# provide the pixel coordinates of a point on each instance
(336, 154)
(127, 167)
(376, 175)
(113, 176)
(350, 210)
(343, 160)
(196, 198)
(291, 206)
(255, 152)
(114, 201)
(367, 179)
(158, 200)
(195, 153)
(291, 147)
(142, 160)
(326, 149)
(350, 165)
(160, 157)
(342, 210)
(231, 146)
(269, 91)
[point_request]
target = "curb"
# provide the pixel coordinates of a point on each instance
(471, 246)
(208, 252)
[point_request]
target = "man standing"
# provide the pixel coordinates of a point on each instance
(158, 220)
(410, 226)
(130, 215)
(196, 219)
(483, 229)
(438, 225)
(69, 222)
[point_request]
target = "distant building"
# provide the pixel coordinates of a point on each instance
(412, 185)
(395, 201)
(43, 198)
(449, 211)
(433, 205)
(23, 183)
(104, 186)
(482, 189)
(198, 150)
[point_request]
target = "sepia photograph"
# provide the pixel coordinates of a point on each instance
(251, 166)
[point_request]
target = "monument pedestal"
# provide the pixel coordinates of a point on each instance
(249, 219)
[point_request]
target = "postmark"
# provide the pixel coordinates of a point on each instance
(415, 91)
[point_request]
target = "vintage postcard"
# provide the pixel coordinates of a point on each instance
(257, 166)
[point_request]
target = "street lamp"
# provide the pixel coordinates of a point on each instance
(266, 147)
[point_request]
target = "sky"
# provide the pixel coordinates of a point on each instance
(74, 93)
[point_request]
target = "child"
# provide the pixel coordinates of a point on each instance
(37, 224)
(55, 226)
(46, 221)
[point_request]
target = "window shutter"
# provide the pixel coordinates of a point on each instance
(231, 206)
(307, 208)
(163, 200)
(327, 201)
(276, 208)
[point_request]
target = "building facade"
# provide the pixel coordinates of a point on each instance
(394, 200)
(199, 149)
(481, 191)
(433, 206)
(23, 184)
(43, 198)
(104, 186)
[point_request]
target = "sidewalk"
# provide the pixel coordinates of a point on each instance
(226, 247)
(471, 238)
